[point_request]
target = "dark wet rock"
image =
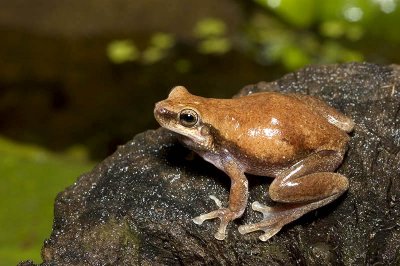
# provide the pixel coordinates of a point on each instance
(136, 206)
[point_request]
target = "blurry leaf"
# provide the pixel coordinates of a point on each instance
(269, 3)
(30, 180)
(160, 44)
(309, 42)
(386, 6)
(294, 58)
(333, 52)
(121, 51)
(209, 27)
(152, 55)
(337, 29)
(183, 65)
(333, 28)
(352, 56)
(274, 52)
(299, 13)
(353, 13)
(350, 10)
(162, 40)
(354, 32)
(360, 11)
(330, 52)
(77, 152)
(214, 46)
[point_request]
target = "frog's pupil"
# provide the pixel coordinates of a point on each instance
(189, 118)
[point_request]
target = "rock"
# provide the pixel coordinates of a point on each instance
(136, 206)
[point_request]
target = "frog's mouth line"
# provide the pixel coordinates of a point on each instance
(186, 133)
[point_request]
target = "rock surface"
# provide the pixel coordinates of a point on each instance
(136, 206)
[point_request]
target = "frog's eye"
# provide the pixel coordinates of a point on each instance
(188, 117)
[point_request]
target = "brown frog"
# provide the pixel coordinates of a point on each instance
(296, 139)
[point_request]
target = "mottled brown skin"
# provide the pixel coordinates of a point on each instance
(296, 139)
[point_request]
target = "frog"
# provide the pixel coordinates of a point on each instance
(296, 139)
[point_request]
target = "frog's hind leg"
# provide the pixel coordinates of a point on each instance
(274, 218)
(304, 187)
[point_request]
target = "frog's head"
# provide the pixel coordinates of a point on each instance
(181, 113)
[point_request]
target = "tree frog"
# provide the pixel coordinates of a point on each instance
(296, 139)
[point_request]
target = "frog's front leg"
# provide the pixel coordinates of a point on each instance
(237, 199)
(306, 186)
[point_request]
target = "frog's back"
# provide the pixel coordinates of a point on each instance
(275, 128)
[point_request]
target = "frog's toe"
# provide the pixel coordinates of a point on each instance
(248, 228)
(225, 215)
(211, 215)
(271, 223)
(269, 232)
(216, 200)
(269, 229)
(221, 233)
(198, 220)
(256, 206)
(264, 209)
(207, 216)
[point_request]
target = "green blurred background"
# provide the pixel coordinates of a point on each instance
(78, 78)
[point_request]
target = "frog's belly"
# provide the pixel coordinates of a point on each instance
(272, 160)
(250, 164)
(262, 167)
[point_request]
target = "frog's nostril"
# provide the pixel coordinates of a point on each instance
(162, 111)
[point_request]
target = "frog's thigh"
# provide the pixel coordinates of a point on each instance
(309, 188)
(310, 180)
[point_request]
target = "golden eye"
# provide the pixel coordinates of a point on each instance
(188, 117)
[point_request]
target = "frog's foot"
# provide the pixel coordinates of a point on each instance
(276, 217)
(272, 222)
(224, 214)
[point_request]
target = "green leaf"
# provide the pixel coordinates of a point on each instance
(209, 27)
(294, 58)
(122, 51)
(31, 178)
(300, 13)
(214, 46)
(162, 40)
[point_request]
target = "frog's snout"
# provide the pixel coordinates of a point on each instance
(162, 114)
(159, 110)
